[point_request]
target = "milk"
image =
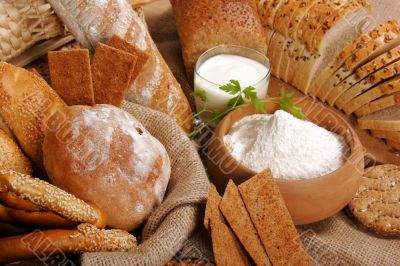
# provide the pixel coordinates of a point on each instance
(220, 69)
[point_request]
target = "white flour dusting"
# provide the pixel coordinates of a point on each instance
(292, 148)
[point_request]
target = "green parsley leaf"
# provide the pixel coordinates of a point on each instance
(286, 104)
(233, 87)
(202, 94)
(236, 101)
(251, 95)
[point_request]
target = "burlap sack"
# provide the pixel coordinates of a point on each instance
(171, 225)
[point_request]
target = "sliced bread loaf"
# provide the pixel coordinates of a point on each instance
(379, 104)
(267, 9)
(369, 82)
(387, 88)
(386, 120)
(274, 52)
(389, 135)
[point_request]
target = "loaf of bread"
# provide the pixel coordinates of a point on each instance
(25, 99)
(96, 21)
(11, 157)
(103, 155)
(203, 24)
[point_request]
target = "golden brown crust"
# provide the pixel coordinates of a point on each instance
(11, 157)
(10, 199)
(71, 76)
(378, 105)
(229, 23)
(51, 198)
(376, 204)
(389, 135)
(112, 70)
(86, 238)
(272, 220)
(25, 99)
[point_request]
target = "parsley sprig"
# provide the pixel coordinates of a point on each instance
(239, 100)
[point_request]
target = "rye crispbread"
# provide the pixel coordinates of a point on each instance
(112, 72)
(234, 211)
(142, 57)
(226, 247)
(376, 205)
(71, 76)
(272, 220)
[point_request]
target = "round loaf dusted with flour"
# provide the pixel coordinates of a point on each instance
(103, 155)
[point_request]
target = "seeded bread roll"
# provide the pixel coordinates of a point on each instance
(103, 155)
(203, 24)
(11, 157)
(25, 99)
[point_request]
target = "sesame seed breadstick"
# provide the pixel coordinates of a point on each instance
(86, 238)
(52, 198)
(35, 219)
(9, 199)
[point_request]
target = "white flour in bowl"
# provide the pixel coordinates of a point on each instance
(292, 148)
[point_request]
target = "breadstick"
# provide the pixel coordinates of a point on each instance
(87, 238)
(11, 200)
(11, 156)
(52, 198)
(33, 219)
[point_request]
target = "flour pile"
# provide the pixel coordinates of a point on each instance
(292, 148)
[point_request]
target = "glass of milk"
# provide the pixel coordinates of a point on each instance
(219, 65)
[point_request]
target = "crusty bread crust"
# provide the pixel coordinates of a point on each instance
(11, 156)
(378, 105)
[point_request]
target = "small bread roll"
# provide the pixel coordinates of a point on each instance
(103, 155)
(11, 157)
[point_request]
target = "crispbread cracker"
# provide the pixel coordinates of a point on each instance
(227, 249)
(376, 205)
(125, 46)
(112, 72)
(272, 220)
(71, 76)
(234, 211)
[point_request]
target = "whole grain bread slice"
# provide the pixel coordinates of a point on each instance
(274, 52)
(389, 135)
(267, 9)
(272, 221)
(226, 247)
(379, 104)
(387, 88)
(232, 207)
(386, 120)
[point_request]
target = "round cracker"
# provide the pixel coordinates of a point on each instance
(376, 204)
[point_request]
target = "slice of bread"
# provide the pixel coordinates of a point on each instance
(387, 88)
(267, 9)
(369, 82)
(389, 135)
(274, 52)
(226, 247)
(234, 211)
(386, 120)
(272, 220)
(379, 104)
(380, 43)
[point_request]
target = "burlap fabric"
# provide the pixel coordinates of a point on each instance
(170, 226)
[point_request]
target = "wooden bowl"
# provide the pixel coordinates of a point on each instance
(309, 200)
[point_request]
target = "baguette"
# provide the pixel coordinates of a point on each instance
(389, 135)
(11, 156)
(226, 247)
(86, 238)
(25, 100)
(379, 104)
(387, 88)
(272, 220)
(386, 120)
(369, 82)
(155, 87)
(232, 207)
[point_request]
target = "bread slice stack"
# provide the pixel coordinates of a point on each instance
(331, 50)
